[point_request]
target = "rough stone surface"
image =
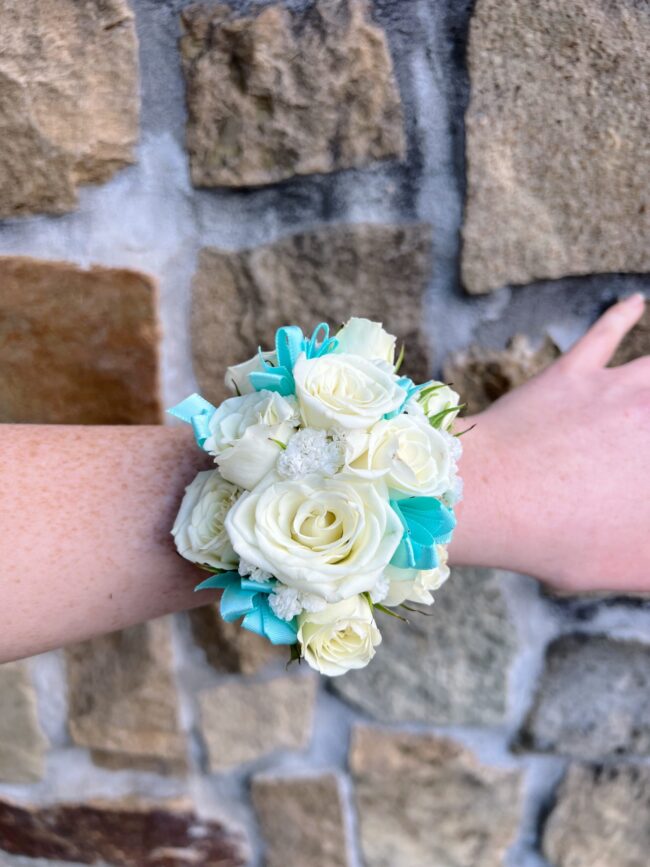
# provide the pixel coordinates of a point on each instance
(468, 642)
(482, 375)
(558, 149)
(593, 700)
(22, 743)
(302, 820)
(424, 800)
(278, 94)
(123, 834)
(330, 274)
(77, 346)
(636, 343)
(600, 818)
(68, 100)
(243, 721)
(228, 647)
(122, 698)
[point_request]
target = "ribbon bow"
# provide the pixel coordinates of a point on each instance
(290, 342)
(410, 388)
(197, 411)
(427, 522)
(245, 598)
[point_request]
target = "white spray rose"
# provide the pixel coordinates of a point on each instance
(368, 339)
(236, 377)
(411, 585)
(242, 434)
(434, 399)
(412, 457)
(344, 391)
(340, 637)
(199, 532)
(328, 536)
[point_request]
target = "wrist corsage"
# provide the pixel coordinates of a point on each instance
(333, 494)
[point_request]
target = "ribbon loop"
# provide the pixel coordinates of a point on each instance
(427, 522)
(243, 597)
(197, 411)
(290, 343)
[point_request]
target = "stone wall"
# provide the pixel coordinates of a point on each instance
(176, 178)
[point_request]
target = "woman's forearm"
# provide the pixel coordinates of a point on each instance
(85, 518)
(85, 515)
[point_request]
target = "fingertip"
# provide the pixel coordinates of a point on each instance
(635, 300)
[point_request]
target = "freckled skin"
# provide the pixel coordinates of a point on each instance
(556, 474)
(85, 519)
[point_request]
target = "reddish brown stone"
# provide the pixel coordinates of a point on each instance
(77, 346)
(125, 834)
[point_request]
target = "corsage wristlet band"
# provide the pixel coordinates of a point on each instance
(333, 495)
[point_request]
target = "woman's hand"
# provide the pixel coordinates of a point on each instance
(558, 471)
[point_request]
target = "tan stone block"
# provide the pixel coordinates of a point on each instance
(123, 704)
(302, 820)
(69, 100)
(330, 274)
(600, 818)
(281, 93)
(77, 346)
(242, 721)
(426, 801)
(558, 149)
(22, 742)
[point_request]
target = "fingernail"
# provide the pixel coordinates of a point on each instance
(637, 298)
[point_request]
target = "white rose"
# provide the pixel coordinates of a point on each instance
(411, 585)
(344, 391)
(434, 399)
(242, 434)
(329, 536)
(368, 339)
(412, 457)
(236, 377)
(340, 637)
(199, 532)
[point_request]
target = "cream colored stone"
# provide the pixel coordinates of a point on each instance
(122, 698)
(302, 820)
(228, 647)
(242, 721)
(22, 742)
(68, 99)
(282, 93)
(426, 801)
(558, 150)
(600, 818)
(482, 375)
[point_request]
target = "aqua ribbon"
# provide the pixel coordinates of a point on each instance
(245, 598)
(197, 411)
(290, 342)
(410, 389)
(427, 522)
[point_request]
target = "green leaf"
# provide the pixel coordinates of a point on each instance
(385, 610)
(417, 610)
(429, 389)
(294, 655)
(278, 443)
(400, 359)
(467, 430)
(435, 420)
